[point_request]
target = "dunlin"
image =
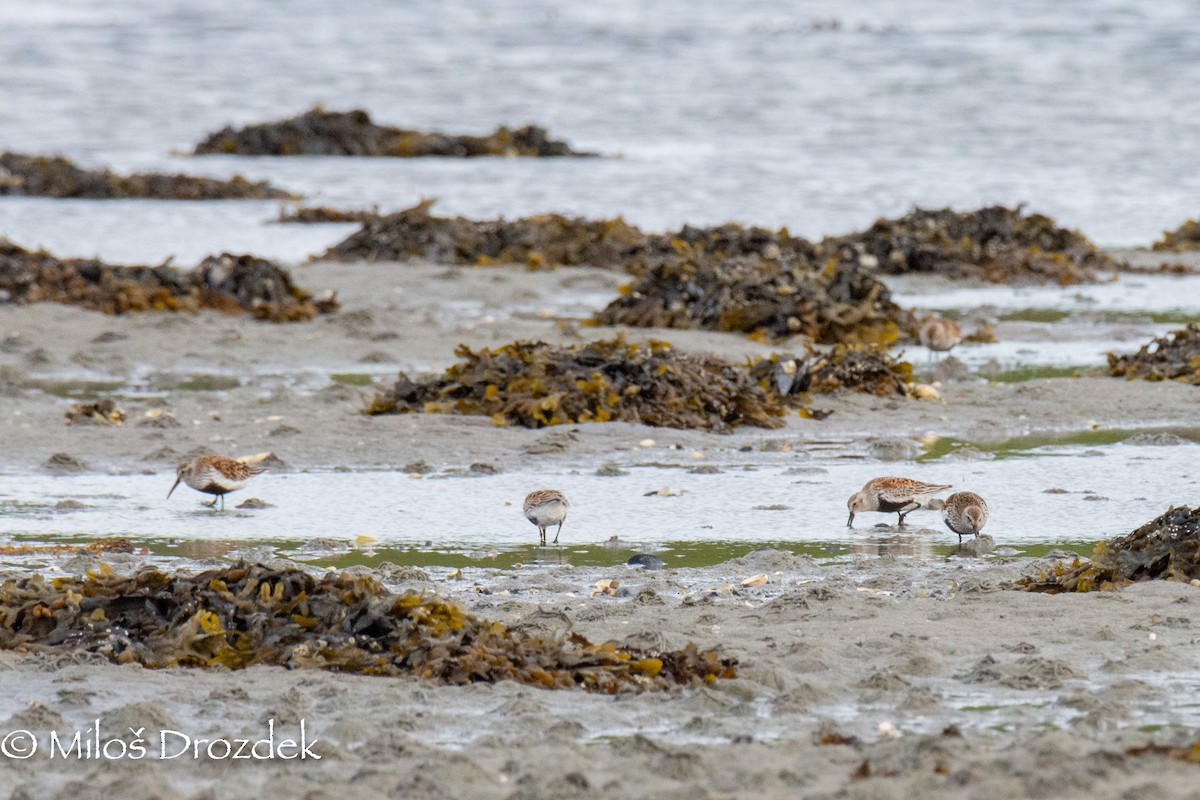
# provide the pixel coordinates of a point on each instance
(963, 512)
(940, 335)
(216, 475)
(546, 507)
(902, 495)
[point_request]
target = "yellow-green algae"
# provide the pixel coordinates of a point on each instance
(1175, 356)
(1167, 548)
(535, 384)
(244, 615)
(234, 284)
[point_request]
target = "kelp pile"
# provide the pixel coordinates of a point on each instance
(1184, 238)
(1175, 356)
(766, 298)
(535, 384)
(318, 132)
(1168, 548)
(765, 283)
(547, 240)
(243, 615)
(103, 411)
(311, 215)
(234, 284)
(862, 368)
(996, 244)
(53, 176)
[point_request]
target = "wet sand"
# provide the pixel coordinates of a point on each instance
(922, 676)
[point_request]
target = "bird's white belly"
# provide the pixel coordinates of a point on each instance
(549, 514)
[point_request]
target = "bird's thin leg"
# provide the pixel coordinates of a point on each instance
(222, 502)
(542, 532)
(213, 504)
(557, 532)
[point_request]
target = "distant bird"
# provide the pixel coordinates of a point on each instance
(940, 335)
(885, 495)
(546, 507)
(216, 475)
(963, 512)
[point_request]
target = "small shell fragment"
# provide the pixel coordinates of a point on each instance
(756, 580)
(608, 587)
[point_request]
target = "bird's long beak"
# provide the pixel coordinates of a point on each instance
(176, 483)
(850, 522)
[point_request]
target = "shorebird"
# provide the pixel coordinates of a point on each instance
(940, 335)
(963, 512)
(546, 507)
(216, 475)
(902, 495)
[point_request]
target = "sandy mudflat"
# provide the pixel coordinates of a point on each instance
(940, 683)
(944, 686)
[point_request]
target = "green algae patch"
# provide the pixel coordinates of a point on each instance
(535, 384)
(233, 284)
(1175, 356)
(318, 132)
(54, 176)
(1167, 548)
(994, 244)
(244, 615)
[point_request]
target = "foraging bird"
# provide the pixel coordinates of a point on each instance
(963, 512)
(546, 507)
(216, 475)
(940, 335)
(902, 495)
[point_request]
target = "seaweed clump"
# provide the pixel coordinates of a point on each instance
(318, 132)
(543, 241)
(996, 244)
(535, 384)
(862, 368)
(311, 215)
(103, 411)
(1175, 356)
(54, 176)
(1167, 548)
(1184, 238)
(234, 284)
(766, 298)
(243, 615)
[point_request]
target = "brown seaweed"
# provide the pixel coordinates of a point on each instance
(243, 615)
(54, 176)
(318, 132)
(767, 299)
(1185, 238)
(1175, 356)
(103, 411)
(544, 241)
(535, 384)
(312, 215)
(234, 284)
(995, 244)
(1167, 548)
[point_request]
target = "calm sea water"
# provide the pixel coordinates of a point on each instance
(719, 110)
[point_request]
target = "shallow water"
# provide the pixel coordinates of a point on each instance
(720, 110)
(784, 500)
